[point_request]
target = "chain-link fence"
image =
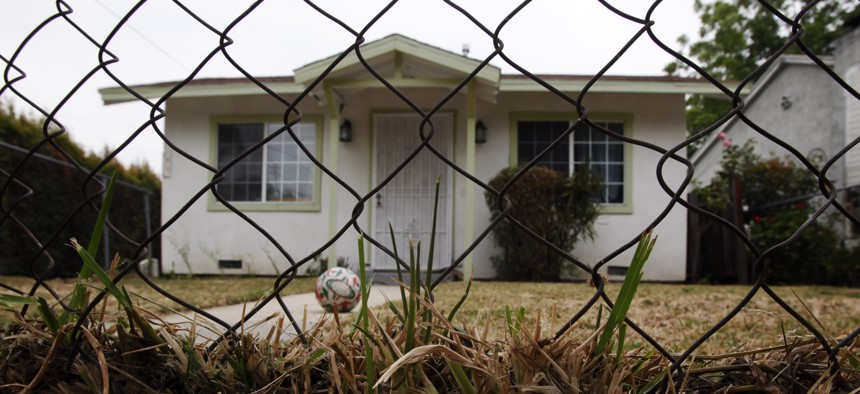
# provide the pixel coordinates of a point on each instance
(222, 192)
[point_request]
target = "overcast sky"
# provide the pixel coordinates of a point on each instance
(163, 43)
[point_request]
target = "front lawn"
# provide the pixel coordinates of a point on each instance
(675, 315)
(202, 292)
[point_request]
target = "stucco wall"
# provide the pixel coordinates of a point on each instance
(657, 119)
(201, 237)
(813, 121)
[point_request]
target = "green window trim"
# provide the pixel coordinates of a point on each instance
(625, 208)
(314, 205)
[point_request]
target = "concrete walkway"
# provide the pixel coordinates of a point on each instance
(267, 318)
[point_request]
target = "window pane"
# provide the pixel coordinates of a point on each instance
(598, 153)
(273, 192)
(305, 191)
(306, 173)
(581, 152)
(581, 132)
(597, 136)
(616, 152)
(615, 194)
(616, 173)
(535, 136)
(599, 171)
(291, 169)
(291, 151)
(290, 190)
(290, 173)
(243, 181)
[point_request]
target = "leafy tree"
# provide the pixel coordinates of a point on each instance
(56, 193)
(738, 36)
(559, 209)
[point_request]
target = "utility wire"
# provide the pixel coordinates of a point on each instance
(141, 35)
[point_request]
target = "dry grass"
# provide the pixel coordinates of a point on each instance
(202, 292)
(675, 315)
(115, 356)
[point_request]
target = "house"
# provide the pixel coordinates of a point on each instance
(361, 131)
(798, 102)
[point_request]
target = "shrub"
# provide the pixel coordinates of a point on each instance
(559, 209)
(776, 195)
(843, 268)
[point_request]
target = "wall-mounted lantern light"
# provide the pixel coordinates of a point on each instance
(480, 132)
(346, 131)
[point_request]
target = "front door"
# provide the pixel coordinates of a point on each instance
(407, 201)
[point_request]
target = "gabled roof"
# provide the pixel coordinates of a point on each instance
(407, 46)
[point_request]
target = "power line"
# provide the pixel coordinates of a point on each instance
(144, 37)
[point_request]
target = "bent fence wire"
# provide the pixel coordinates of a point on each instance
(13, 183)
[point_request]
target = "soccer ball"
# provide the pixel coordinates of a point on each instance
(338, 288)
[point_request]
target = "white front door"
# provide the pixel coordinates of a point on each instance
(407, 201)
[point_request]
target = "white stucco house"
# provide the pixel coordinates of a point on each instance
(280, 189)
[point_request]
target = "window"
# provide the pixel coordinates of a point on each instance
(585, 149)
(279, 173)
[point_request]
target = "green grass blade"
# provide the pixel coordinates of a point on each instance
(429, 280)
(413, 294)
(397, 264)
(652, 384)
(48, 316)
(14, 299)
(316, 355)
(93, 267)
(93, 246)
(622, 333)
(396, 312)
(462, 299)
(101, 275)
(363, 318)
(80, 294)
(433, 236)
(461, 378)
(627, 291)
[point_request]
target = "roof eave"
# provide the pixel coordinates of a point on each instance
(618, 86)
(116, 95)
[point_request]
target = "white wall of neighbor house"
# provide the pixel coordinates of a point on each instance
(798, 106)
(657, 119)
(201, 236)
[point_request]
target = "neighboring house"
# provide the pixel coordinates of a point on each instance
(280, 189)
(799, 103)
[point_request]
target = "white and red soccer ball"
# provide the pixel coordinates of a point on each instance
(338, 288)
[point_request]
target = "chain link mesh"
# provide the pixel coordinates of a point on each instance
(15, 187)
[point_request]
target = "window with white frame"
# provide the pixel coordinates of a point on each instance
(278, 172)
(585, 149)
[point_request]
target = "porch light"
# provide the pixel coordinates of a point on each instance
(346, 131)
(480, 132)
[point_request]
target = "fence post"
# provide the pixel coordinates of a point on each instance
(155, 271)
(741, 258)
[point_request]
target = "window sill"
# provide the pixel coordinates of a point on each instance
(215, 206)
(616, 209)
